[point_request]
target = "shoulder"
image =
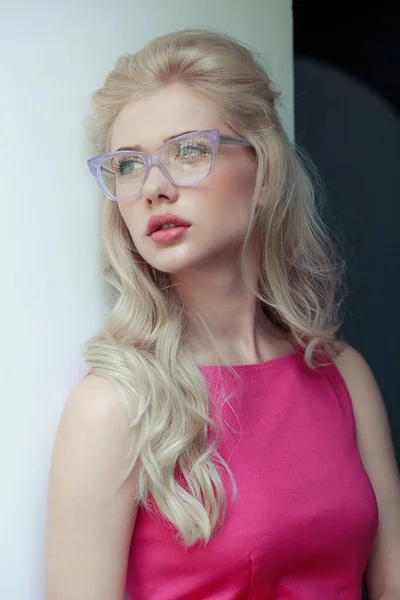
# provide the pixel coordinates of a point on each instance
(94, 423)
(91, 510)
(367, 402)
(92, 401)
(376, 449)
(92, 439)
(355, 370)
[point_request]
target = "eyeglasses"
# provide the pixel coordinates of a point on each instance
(185, 160)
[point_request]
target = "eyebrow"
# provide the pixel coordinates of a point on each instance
(139, 148)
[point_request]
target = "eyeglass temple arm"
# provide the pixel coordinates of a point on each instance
(229, 139)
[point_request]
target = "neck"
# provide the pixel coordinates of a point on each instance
(221, 300)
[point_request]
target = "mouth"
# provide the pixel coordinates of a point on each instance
(165, 236)
(165, 222)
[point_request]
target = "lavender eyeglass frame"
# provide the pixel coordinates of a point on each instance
(150, 159)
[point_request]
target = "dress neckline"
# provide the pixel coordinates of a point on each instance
(255, 366)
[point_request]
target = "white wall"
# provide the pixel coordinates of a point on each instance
(53, 54)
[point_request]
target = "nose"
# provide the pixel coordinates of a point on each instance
(158, 187)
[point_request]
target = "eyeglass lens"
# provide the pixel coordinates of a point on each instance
(187, 161)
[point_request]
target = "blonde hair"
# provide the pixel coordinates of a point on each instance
(142, 346)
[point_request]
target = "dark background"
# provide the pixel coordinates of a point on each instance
(347, 117)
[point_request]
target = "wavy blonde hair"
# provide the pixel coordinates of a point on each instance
(142, 347)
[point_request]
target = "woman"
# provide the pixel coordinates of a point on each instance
(225, 444)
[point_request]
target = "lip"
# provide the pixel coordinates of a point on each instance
(167, 236)
(155, 222)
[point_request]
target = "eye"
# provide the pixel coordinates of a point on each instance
(126, 166)
(192, 150)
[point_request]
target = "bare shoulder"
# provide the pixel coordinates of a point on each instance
(364, 391)
(92, 401)
(354, 368)
(91, 510)
(94, 418)
(377, 453)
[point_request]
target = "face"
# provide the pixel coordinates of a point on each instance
(217, 208)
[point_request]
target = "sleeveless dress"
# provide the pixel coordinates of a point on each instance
(306, 514)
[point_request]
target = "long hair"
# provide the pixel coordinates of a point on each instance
(142, 347)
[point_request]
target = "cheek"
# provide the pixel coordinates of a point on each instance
(234, 189)
(135, 225)
(228, 209)
(127, 212)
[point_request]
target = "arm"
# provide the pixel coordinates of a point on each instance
(382, 576)
(90, 515)
(393, 594)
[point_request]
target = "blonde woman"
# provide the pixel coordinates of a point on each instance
(224, 444)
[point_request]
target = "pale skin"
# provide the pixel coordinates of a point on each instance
(90, 517)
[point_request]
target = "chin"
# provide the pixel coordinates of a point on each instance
(168, 259)
(179, 260)
(172, 268)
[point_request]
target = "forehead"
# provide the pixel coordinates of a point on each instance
(170, 111)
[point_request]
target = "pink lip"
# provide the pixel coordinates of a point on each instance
(156, 221)
(164, 236)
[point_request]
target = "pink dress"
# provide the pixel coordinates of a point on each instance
(307, 515)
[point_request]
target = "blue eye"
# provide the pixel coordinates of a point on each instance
(127, 166)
